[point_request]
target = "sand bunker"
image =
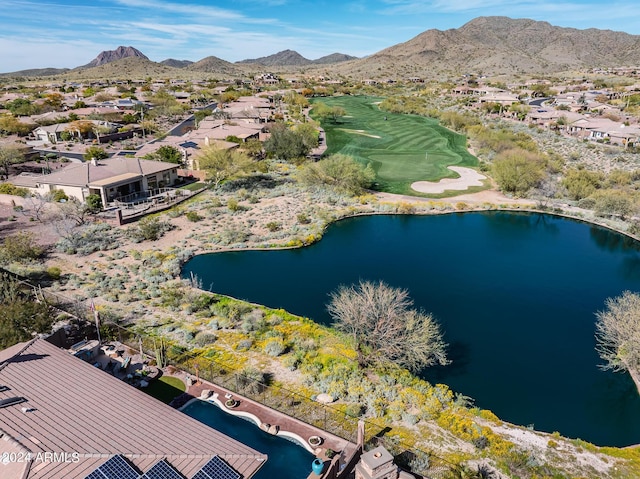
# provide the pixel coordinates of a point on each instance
(468, 177)
(359, 132)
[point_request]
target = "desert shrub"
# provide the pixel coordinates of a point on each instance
(20, 247)
(252, 380)
(59, 195)
(233, 205)
(338, 171)
(9, 189)
(480, 442)
(303, 219)
(587, 203)
(54, 272)
(582, 183)
(354, 410)
(204, 338)
(193, 216)
(405, 208)
(94, 203)
(89, 238)
(232, 235)
(291, 362)
(518, 170)
(410, 419)
(244, 345)
(150, 229)
(274, 226)
(274, 347)
(612, 203)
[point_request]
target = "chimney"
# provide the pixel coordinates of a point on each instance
(94, 162)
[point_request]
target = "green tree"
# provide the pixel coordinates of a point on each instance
(165, 104)
(383, 326)
(253, 147)
(150, 229)
(325, 112)
(20, 316)
(309, 133)
(517, 171)
(11, 125)
(82, 128)
(10, 155)
(54, 101)
(286, 144)
(612, 203)
(340, 172)
(20, 247)
(94, 203)
(95, 152)
(168, 154)
(221, 164)
(618, 334)
(201, 115)
(22, 107)
(582, 183)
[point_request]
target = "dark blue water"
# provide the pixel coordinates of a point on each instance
(286, 459)
(515, 293)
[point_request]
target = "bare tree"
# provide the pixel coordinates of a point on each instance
(618, 334)
(37, 205)
(383, 326)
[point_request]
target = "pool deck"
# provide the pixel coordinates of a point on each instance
(269, 418)
(266, 415)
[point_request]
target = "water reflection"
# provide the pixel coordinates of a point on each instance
(515, 294)
(612, 241)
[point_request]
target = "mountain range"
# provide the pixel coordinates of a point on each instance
(293, 58)
(504, 46)
(487, 45)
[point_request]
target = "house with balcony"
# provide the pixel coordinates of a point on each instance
(111, 179)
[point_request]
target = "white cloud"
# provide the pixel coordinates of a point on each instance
(23, 53)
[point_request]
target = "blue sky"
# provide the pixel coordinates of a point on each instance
(69, 33)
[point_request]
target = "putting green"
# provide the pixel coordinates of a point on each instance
(401, 149)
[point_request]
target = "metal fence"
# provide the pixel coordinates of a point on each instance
(330, 418)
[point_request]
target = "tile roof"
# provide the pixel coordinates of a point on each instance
(77, 408)
(82, 174)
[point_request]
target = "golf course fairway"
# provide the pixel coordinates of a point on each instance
(402, 149)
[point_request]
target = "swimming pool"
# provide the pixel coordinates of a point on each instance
(287, 460)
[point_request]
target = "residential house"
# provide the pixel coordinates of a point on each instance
(605, 130)
(110, 178)
(548, 117)
(63, 418)
(504, 99)
(53, 133)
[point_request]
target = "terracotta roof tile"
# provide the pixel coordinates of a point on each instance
(81, 409)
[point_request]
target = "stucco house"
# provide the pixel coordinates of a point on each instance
(111, 178)
(53, 133)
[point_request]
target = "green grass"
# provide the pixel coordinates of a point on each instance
(193, 186)
(401, 149)
(166, 388)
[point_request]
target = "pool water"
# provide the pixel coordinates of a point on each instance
(287, 460)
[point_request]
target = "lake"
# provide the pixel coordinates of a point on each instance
(515, 293)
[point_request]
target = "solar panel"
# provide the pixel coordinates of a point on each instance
(216, 468)
(95, 475)
(162, 470)
(115, 468)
